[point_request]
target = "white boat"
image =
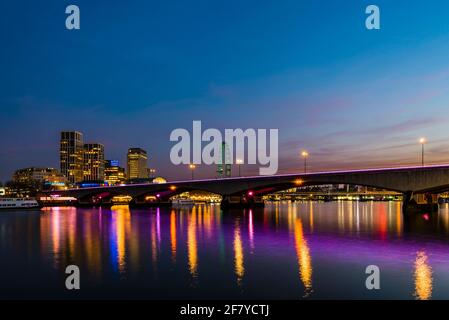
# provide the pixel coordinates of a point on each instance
(182, 202)
(18, 203)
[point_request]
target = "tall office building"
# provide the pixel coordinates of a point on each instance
(93, 161)
(137, 163)
(71, 155)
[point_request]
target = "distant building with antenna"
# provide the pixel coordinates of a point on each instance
(224, 167)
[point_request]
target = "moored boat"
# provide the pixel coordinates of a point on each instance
(182, 202)
(18, 203)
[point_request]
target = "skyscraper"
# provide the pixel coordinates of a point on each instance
(93, 161)
(71, 155)
(137, 163)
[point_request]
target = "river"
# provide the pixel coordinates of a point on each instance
(309, 250)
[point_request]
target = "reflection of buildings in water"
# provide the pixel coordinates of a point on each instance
(92, 244)
(58, 228)
(376, 217)
(192, 246)
(304, 258)
(423, 277)
(398, 218)
(158, 227)
(311, 215)
(251, 230)
(341, 216)
(443, 216)
(173, 234)
(350, 215)
(56, 232)
(276, 215)
(382, 222)
(208, 222)
(71, 232)
(238, 254)
(154, 241)
(120, 228)
(290, 215)
(346, 217)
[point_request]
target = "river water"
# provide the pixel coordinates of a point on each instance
(310, 250)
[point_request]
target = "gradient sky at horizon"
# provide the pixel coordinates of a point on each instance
(134, 72)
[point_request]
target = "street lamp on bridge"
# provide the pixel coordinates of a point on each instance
(305, 154)
(422, 141)
(192, 168)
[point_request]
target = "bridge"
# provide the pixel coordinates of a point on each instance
(248, 191)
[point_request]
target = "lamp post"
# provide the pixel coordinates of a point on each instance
(192, 168)
(239, 162)
(305, 154)
(422, 141)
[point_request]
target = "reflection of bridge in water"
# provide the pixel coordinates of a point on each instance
(418, 185)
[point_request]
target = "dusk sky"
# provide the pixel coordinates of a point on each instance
(136, 70)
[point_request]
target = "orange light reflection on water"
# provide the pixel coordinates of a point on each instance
(304, 258)
(423, 277)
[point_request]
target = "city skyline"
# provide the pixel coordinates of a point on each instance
(351, 97)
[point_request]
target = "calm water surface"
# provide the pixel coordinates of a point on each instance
(286, 250)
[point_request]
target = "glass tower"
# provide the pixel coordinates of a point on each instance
(71, 155)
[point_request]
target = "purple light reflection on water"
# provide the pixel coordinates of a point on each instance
(293, 251)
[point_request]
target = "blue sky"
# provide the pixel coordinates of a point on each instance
(134, 72)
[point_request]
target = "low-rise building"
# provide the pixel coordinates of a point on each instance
(113, 173)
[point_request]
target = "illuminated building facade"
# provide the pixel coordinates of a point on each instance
(93, 161)
(113, 173)
(159, 180)
(151, 173)
(71, 155)
(28, 181)
(137, 163)
(33, 175)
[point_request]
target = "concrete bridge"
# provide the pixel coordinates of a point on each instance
(247, 191)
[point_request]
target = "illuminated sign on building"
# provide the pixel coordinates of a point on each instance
(114, 163)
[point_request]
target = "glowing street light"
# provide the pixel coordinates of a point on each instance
(192, 168)
(422, 141)
(305, 154)
(239, 162)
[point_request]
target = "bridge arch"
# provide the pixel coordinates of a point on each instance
(263, 190)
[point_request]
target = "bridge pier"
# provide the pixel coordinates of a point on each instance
(141, 202)
(92, 204)
(242, 202)
(413, 203)
(406, 198)
(134, 204)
